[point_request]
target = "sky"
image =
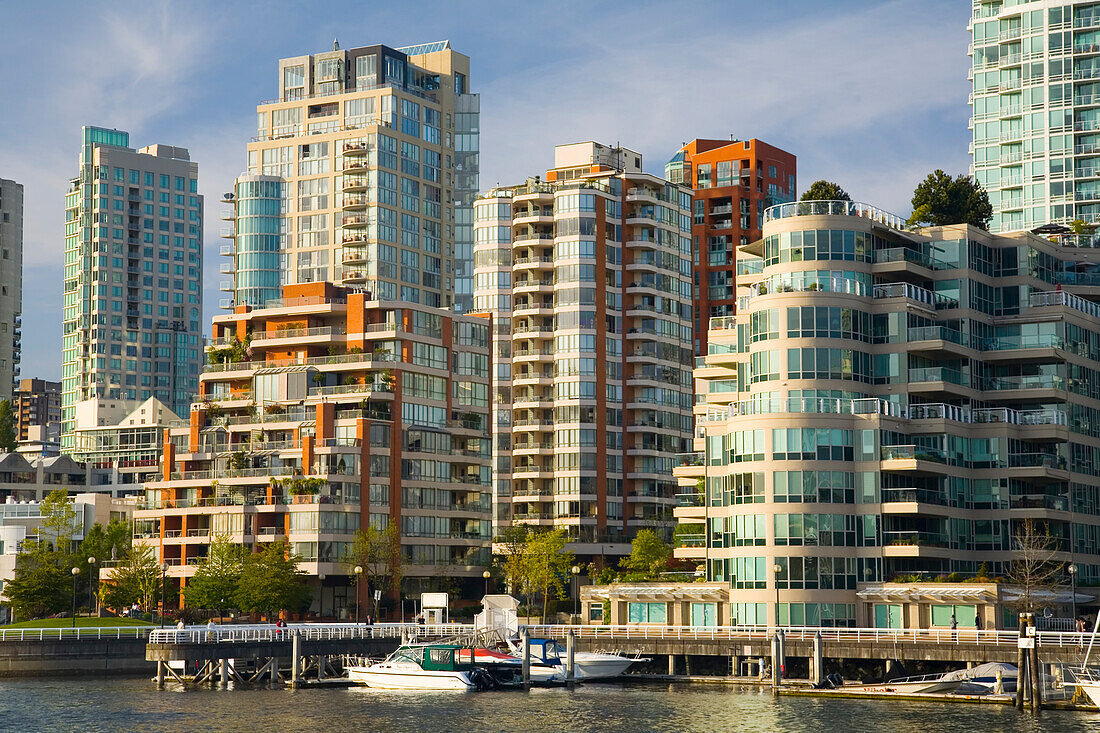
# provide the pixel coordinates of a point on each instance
(872, 94)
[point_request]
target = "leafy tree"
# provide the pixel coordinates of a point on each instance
(214, 585)
(108, 543)
(271, 581)
(58, 521)
(8, 438)
(511, 544)
(136, 579)
(40, 587)
(1033, 567)
(649, 554)
(940, 200)
(378, 552)
(548, 565)
(825, 191)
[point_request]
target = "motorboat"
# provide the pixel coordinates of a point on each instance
(914, 685)
(508, 668)
(587, 665)
(984, 679)
(425, 667)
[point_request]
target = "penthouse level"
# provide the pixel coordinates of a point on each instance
(383, 404)
(892, 403)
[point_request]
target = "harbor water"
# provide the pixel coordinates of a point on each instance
(134, 705)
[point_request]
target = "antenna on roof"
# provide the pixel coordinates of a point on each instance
(335, 44)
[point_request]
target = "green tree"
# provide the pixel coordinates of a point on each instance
(825, 191)
(548, 565)
(214, 585)
(40, 587)
(511, 546)
(135, 579)
(940, 200)
(58, 521)
(649, 554)
(378, 552)
(8, 438)
(110, 543)
(271, 581)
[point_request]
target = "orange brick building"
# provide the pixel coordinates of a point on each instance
(734, 182)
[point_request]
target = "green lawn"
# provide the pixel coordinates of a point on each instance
(84, 622)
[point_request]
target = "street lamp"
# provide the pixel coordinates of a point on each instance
(576, 591)
(486, 575)
(358, 575)
(1072, 570)
(777, 569)
(91, 583)
(163, 582)
(75, 571)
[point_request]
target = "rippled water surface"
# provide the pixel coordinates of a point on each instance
(134, 705)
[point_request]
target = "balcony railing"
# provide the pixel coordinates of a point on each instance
(834, 208)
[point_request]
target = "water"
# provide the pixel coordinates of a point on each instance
(134, 705)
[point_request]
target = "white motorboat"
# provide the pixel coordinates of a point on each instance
(424, 667)
(510, 667)
(588, 665)
(914, 685)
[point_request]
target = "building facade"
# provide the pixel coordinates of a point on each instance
(1036, 110)
(892, 404)
(587, 278)
(377, 148)
(11, 284)
(123, 438)
(255, 269)
(348, 413)
(733, 182)
(132, 319)
(37, 402)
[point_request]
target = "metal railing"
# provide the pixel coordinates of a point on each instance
(43, 634)
(246, 633)
(833, 208)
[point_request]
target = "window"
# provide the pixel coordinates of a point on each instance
(647, 613)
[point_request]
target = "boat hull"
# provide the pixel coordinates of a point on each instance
(392, 679)
(1092, 690)
(912, 688)
(600, 666)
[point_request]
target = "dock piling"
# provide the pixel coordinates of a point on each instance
(526, 659)
(160, 675)
(570, 658)
(223, 672)
(818, 672)
(295, 655)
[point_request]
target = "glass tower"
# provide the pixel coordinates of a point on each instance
(1036, 111)
(257, 235)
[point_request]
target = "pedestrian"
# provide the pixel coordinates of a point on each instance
(978, 621)
(954, 626)
(210, 629)
(179, 624)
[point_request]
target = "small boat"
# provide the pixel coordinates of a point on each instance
(914, 685)
(588, 665)
(425, 667)
(984, 679)
(508, 668)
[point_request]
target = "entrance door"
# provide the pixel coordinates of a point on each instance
(704, 614)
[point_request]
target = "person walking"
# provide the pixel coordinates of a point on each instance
(954, 626)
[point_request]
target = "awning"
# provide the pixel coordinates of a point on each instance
(927, 593)
(1046, 596)
(284, 369)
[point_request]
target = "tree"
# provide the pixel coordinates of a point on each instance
(214, 585)
(1033, 567)
(548, 564)
(825, 191)
(378, 552)
(58, 521)
(271, 581)
(940, 200)
(136, 579)
(649, 554)
(40, 588)
(8, 438)
(108, 543)
(511, 544)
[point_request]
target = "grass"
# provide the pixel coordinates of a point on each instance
(83, 622)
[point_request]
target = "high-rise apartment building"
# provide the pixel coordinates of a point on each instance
(131, 326)
(352, 413)
(377, 148)
(890, 403)
(734, 181)
(587, 277)
(11, 284)
(1036, 110)
(255, 207)
(37, 402)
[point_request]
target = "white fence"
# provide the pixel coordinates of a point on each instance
(31, 634)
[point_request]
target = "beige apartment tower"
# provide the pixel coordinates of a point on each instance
(587, 275)
(377, 148)
(11, 284)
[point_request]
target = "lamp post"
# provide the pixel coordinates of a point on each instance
(1072, 570)
(575, 570)
(358, 575)
(776, 569)
(91, 584)
(75, 571)
(486, 575)
(163, 582)
(321, 595)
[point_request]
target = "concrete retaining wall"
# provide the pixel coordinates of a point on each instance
(72, 657)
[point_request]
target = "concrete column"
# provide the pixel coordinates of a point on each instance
(295, 655)
(817, 674)
(687, 665)
(274, 671)
(321, 661)
(735, 665)
(223, 672)
(671, 665)
(160, 675)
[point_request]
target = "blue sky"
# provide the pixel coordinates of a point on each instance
(870, 94)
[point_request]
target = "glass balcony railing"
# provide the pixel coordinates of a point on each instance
(834, 208)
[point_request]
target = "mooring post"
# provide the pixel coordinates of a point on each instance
(671, 665)
(295, 655)
(1036, 671)
(570, 658)
(782, 654)
(224, 672)
(274, 671)
(1021, 664)
(819, 659)
(526, 659)
(321, 661)
(160, 675)
(775, 664)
